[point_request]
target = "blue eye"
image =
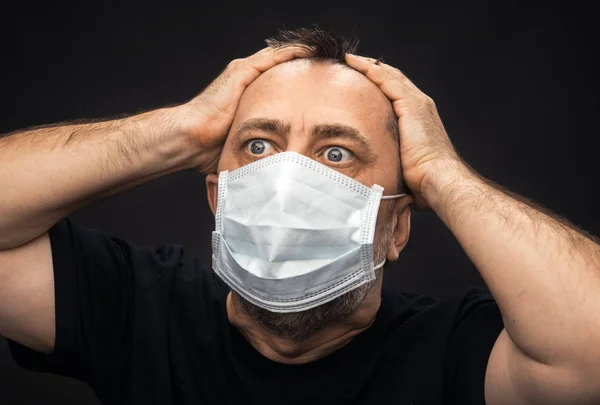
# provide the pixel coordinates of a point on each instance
(337, 154)
(259, 146)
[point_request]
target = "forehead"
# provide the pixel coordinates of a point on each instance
(305, 93)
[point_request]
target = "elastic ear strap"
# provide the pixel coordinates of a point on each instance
(391, 197)
(380, 265)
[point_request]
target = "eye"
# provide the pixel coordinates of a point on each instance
(338, 154)
(259, 146)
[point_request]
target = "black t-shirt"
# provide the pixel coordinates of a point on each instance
(143, 326)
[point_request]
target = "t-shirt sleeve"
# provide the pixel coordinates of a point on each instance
(95, 280)
(476, 328)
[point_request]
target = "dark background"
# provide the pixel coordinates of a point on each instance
(515, 86)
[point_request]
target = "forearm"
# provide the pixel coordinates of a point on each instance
(544, 274)
(47, 173)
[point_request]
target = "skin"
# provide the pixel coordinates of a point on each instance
(49, 172)
(543, 272)
(546, 266)
(302, 95)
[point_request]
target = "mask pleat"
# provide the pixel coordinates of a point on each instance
(294, 233)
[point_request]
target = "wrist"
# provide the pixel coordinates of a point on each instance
(204, 137)
(446, 182)
(167, 140)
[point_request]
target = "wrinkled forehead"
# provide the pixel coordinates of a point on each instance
(318, 92)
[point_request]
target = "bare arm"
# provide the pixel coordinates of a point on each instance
(545, 276)
(544, 273)
(48, 173)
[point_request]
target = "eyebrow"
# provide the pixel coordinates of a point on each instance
(320, 131)
(347, 132)
(276, 127)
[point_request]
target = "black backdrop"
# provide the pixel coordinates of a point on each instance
(514, 84)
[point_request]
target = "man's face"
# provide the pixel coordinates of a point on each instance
(326, 112)
(338, 117)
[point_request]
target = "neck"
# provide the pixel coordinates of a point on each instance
(322, 343)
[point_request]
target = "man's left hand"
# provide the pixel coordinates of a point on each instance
(541, 270)
(426, 153)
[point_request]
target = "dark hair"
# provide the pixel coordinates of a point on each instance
(325, 47)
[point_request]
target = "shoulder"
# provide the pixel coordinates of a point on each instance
(196, 283)
(471, 307)
(405, 301)
(476, 325)
(398, 307)
(152, 269)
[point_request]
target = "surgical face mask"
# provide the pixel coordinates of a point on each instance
(292, 233)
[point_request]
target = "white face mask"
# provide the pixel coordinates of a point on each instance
(292, 233)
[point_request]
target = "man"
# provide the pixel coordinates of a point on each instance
(315, 150)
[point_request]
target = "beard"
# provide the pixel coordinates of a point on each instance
(299, 326)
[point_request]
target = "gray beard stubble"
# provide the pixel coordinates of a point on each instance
(298, 326)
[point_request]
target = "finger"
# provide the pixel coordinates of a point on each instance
(368, 67)
(386, 77)
(372, 60)
(269, 57)
(392, 71)
(397, 74)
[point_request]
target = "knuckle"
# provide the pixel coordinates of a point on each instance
(235, 64)
(429, 101)
(397, 80)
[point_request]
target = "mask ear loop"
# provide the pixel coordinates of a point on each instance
(391, 197)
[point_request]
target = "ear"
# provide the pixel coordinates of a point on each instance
(212, 181)
(401, 222)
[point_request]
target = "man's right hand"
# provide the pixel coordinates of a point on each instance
(207, 117)
(49, 172)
